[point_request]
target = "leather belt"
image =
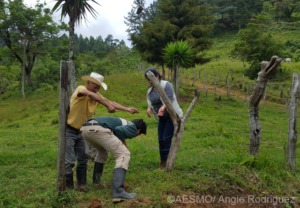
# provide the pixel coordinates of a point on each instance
(89, 123)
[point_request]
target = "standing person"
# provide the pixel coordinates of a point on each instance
(83, 104)
(108, 134)
(157, 106)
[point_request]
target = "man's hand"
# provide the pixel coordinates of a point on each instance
(161, 110)
(133, 110)
(111, 109)
(149, 111)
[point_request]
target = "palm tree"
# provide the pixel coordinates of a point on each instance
(77, 11)
(178, 54)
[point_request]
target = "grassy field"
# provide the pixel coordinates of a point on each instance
(210, 161)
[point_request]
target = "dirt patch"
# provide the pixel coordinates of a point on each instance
(140, 202)
(96, 203)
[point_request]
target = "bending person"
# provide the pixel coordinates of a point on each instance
(108, 134)
(165, 124)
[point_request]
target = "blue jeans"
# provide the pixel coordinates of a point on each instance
(165, 134)
(75, 150)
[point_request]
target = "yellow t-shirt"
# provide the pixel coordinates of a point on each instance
(81, 108)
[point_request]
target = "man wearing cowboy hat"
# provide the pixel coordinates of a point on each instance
(83, 104)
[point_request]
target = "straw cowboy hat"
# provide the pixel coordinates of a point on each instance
(95, 78)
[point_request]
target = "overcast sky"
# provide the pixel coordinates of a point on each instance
(110, 19)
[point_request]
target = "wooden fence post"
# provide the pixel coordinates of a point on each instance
(287, 101)
(219, 76)
(204, 80)
(243, 82)
(199, 72)
(64, 109)
(245, 101)
(215, 82)
(212, 75)
(292, 140)
(265, 96)
(281, 92)
(267, 68)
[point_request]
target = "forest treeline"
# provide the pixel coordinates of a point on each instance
(30, 38)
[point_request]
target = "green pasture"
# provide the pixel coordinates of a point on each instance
(212, 158)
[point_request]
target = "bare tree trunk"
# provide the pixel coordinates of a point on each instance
(72, 73)
(177, 121)
(176, 82)
(64, 109)
(267, 68)
(292, 140)
(23, 72)
(163, 72)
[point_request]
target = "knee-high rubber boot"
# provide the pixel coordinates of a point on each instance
(69, 181)
(81, 176)
(118, 191)
(98, 170)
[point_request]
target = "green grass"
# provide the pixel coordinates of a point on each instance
(211, 158)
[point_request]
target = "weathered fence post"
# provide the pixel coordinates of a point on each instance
(186, 76)
(281, 92)
(64, 108)
(243, 82)
(265, 96)
(287, 101)
(212, 75)
(267, 68)
(194, 78)
(292, 140)
(204, 80)
(177, 121)
(199, 72)
(219, 76)
(215, 83)
(245, 101)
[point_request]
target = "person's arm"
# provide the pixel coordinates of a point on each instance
(122, 108)
(149, 111)
(99, 99)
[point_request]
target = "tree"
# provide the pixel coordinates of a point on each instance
(20, 24)
(175, 55)
(77, 11)
(256, 45)
(174, 20)
(286, 7)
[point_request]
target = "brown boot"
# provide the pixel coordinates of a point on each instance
(162, 165)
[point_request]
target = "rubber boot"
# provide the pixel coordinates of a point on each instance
(98, 170)
(118, 191)
(81, 177)
(69, 181)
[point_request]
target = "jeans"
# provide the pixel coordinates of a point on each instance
(165, 134)
(75, 150)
